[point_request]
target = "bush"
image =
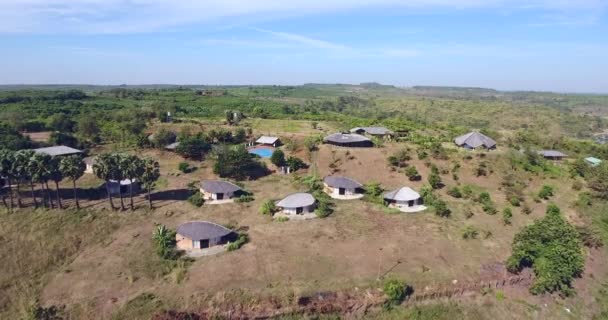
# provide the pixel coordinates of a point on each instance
(324, 209)
(373, 193)
(526, 209)
(278, 158)
(467, 191)
(589, 237)
(489, 208)
(244, 198)
(553, 248)
(192, 147)
(484, 197)
(455, 192)
(507, 214)
(441, 208)
(435, 180)
(184, 167)
(242, 239)
(412, 173)
(584, 199)
(395, 290)
(469, 232)
(268, 208)
(514, 201)
(295, 164)
(546, 192)
(196, 199)
(468, 214)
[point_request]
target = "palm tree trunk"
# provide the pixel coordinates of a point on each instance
(44, 201)
(33, 194)
(122, 203)
(150, 196)
(19, 204)
(131, 193)
(48, 194)
(10, 193)
(58, 195)
(75, 195)
(4, 201)
(109, 195)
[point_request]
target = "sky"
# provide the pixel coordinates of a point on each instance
(544, 45)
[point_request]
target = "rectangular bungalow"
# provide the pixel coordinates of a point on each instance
(269, 141)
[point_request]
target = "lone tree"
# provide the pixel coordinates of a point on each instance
(278, 158)
(132, 168)
(150, 174)
(73, 167)
(104, 169)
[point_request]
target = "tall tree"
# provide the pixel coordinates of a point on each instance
(151, 173)
(119, 174)
(103, 169)
(132, 168)
(56, 176)
(39, 170)
(6, 164)
(22, 170)
(73, 167)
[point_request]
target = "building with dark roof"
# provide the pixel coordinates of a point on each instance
(475, 140)
(201, 235)
(352, 140)
(343, 188)
(372, 131)
(552, 154)
(218, 190)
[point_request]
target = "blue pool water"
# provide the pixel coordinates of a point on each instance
(262, 152)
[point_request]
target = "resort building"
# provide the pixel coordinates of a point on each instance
(217, 190)
(201, 235)
(342, 188)
(268, 141)
(352, 140)
(552, 154)
(475, 140)
(295, 204)
(592, 161)
(404, 199)
(58, 151)
(372, 131)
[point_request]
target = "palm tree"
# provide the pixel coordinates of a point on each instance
(132, 168)
(103, 169)
(6, 164)
(73, 167)
(150, 174)
(56, 175)
(39, 170)
(119, 174)
(21, 172)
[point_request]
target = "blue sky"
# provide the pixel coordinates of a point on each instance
(513, 45)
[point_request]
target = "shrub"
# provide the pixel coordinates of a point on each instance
(584, 199)
(434, 180)
(240, 241)
(455, 192)
(196, 199)
(278, 158)
(373, 193)
(470, 232)
(281, 219)
(589, 237)
(467, 191)
(295, 163)
(507, 214)
(244, 198)
(395, 290)
(526, 209)
(324, 209)
(400, 158)
(468, 214)
(546, 192)
(482, 169)
(164, 240)
(484, 197)
(577, 185)
(412, 173)
(268, 208)
(553, 248)
(514, 201)
(441, 208)
(184, 167)
(489, 208)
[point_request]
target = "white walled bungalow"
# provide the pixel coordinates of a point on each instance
(123, 186)
(218, 190)
(404, 199)
(299, 203)
(268, 141)
(475, 140)
(552, 154)
(201, 235)
(342, 188)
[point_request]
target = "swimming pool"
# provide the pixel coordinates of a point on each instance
(264, 152)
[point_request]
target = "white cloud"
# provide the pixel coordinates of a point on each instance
(134, 16)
